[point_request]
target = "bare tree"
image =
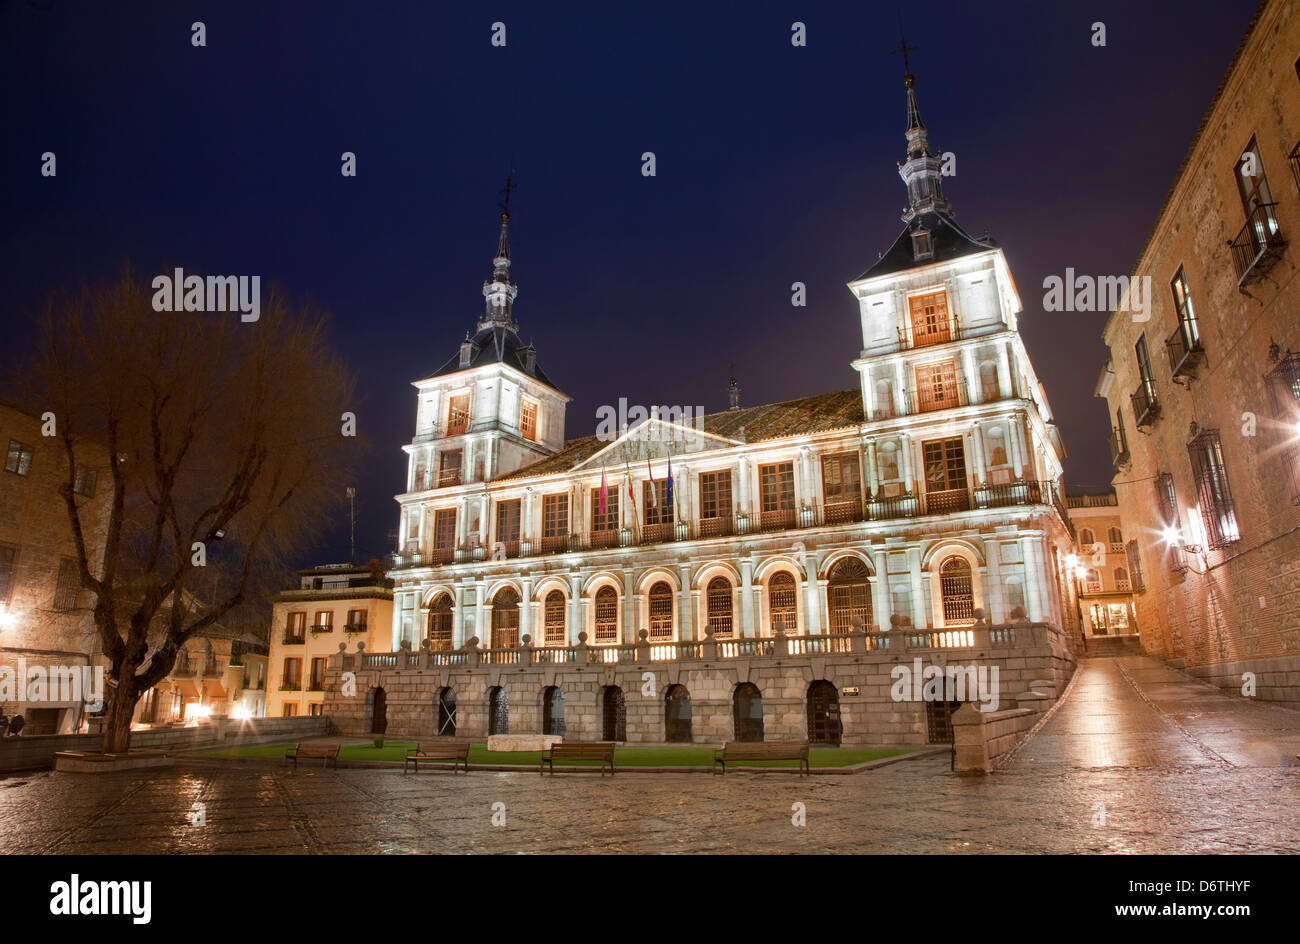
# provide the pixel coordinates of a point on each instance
(224, 445)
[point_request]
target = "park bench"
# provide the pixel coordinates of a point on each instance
(602, 751)
(735, 751)
(326, 753)
(456, 751)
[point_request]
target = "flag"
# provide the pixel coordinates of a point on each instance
(668, 495)
(630, 493)
(604, 492)
(654, 499)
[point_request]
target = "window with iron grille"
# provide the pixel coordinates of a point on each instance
(505, 619)
(440, 623)
(1085, 538)
(661, 611)
(324, 620)
(956, 591)
(69, 582)
(528, 420)
(842, 479)
(19, 460)
(718, 597)
(1167, 500)
(508, 517)
(1121, 578)
(929, 319)
(83, 481)
(458, 415)
(782, 603)
(715, 494)
(444, 529)
(553, 631)
(1092, 581)
(660, 511)
(1116, 539)
(848, 591)
(606, 615)
(555, 516)
(449, 461)
(608, 521)
(1284, 391)
(1135, 566)
(1186, 315)
(936, 386)
(1217, 511)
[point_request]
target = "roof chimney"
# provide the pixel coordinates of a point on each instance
(466, 350)
(733, 394)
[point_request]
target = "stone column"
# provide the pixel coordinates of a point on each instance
(576, 623)
(526, 611)
(629, 602)
(745, 598)
(972, 375)
(869, 480)
(994, 602)
(977, 447)
(900, 388)
(481, 629)
(459, 631)
(881, 605)
(1006, 387)
(1036, 576)
(920, 605)
(812, 595)
(684, 626)
(905, 447)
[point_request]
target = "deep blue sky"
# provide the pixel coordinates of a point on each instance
(775, 164)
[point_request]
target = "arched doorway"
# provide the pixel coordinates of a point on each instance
(379, 712)
(440, 621)
(824, 713)
(498, 711)
(747, 711)
(848, 590)
(782, 603)
(717, 599)
(613, 714)
(957, 591)
(677, 714)
(446, 705)
(505, 619)
(553, 711)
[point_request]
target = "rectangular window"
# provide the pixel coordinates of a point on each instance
(449, 467)
(292, 673)
(715, 494)
(8, 553)
(444, 529)
(1186, 314)
(296, 627)
(528, 420)
(508, 523)
(20, 458)
(1252, 185)
(1217, 510)
(69, 582)
(1135, 566)
(315, 709)
(83, 482)
(945, 476)
(841, 480)
(936, 386)
(1144, 362)
(317, 674)
(555, 521)
(289, 710)
(929, 319)
(324, 621)
(357, 618)
(458, 415)
(776, 495)
(660, 512)
(609, 520)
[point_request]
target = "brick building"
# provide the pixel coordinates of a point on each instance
(1102, 581)
(1204, 392)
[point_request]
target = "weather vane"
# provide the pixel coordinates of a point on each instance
(904, 49)
(507, 189)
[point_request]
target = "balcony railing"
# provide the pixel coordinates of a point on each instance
(1294, 160)
(1008, 493)
(1258, 245)
(353, 629)
(955, 393)
(1185, 352)
(947, 501)
(1118, 450)
(449, 477)
(320, 628)
(1146, 407)
(294, 640)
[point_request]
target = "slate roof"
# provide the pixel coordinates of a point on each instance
(813, 414)
(495, 344)
(950, 241)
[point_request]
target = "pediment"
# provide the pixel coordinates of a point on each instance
(656, 439)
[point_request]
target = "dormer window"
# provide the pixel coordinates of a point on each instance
(922, 248)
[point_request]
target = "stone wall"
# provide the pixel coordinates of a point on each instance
(1276, 680)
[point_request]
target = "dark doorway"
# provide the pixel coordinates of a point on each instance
(677, 714)
(379, 712)
(824, 714)
(498, 711)
(446, 726)
(938, 721)
(747, 710)
(553, 711)
(614, 714)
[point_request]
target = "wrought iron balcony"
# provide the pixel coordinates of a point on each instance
(947, 501)
(1258, 245)
(1146, 407)
(1185, 351)
(1008, 493)
(885, 508)
(320, 628)
(449, 477)
(294, 641)
(353, 629)
(1294, 160)
(1118, 450)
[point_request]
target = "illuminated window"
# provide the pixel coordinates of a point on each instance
(458, 415)
(718, 598)
(1211, 475)
(715, 494)
(606, 615)
(505, 619)
(555, 521)
(608, 520)
(661, 611)
(782, 603)
(848, 591)
(936, 386)
(20, 458)
(296, 627)
(929, 318)
(440, 621)
(956, 591)
(528, 420)
(776, 495)
(554, 619)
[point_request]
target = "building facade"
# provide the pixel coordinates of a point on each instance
(216, 675)
(1102, 582)
(333, 606)
(1203, 386)
(925, 497)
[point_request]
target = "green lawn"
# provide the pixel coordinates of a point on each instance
(623, 756)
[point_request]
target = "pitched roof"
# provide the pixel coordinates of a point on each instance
(496, 344)
(947, 237)
(815, 414)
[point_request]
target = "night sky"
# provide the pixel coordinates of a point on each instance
(775, 164)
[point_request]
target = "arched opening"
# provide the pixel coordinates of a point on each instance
(553, 711)
(718, 606)
(505, 619)
(379, 711)
(848, 591)
(824, 714)
(446, 712)
(661, 611)
(1092, 581)
(747, 712)
(782, 603)
(554, 632)
(498, 711)
(613, 714)
(606, 615)
(1115, 536)
(957, 592)
(1086, 538)
(440, 623)
(677, 714)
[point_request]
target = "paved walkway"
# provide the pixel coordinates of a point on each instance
(1139, 759)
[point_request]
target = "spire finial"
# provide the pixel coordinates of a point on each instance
(902, 50)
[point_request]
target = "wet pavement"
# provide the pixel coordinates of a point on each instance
(1139, 758)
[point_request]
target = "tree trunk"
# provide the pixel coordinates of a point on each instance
(117, 721)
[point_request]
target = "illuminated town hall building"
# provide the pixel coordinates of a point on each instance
(804, 548)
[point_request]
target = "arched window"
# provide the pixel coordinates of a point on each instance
(747, 712)
(661, 611)
(606, 615)
(1115, 536)
(781, 603)
(1092, 581)
(848, 590)
(957, 592)
(553, 630)
(1086, 538)
(498, 711)
(553, 711)
(1121, 578)
(719, 607)
(440, 623)
(505, 619)
(677, 714)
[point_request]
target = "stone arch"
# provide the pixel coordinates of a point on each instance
(504, 608)
(848, 596)
(973, 552)
(677, 714)
(652, 575)
(707, 571)
(431, 593)
(747, 712)
(553, 710)
(601, 578)
(498, 705)
(835, 557)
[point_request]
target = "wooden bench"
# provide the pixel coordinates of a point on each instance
(602, 751)
(326, 753)
(734, 751)
(455, 751)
